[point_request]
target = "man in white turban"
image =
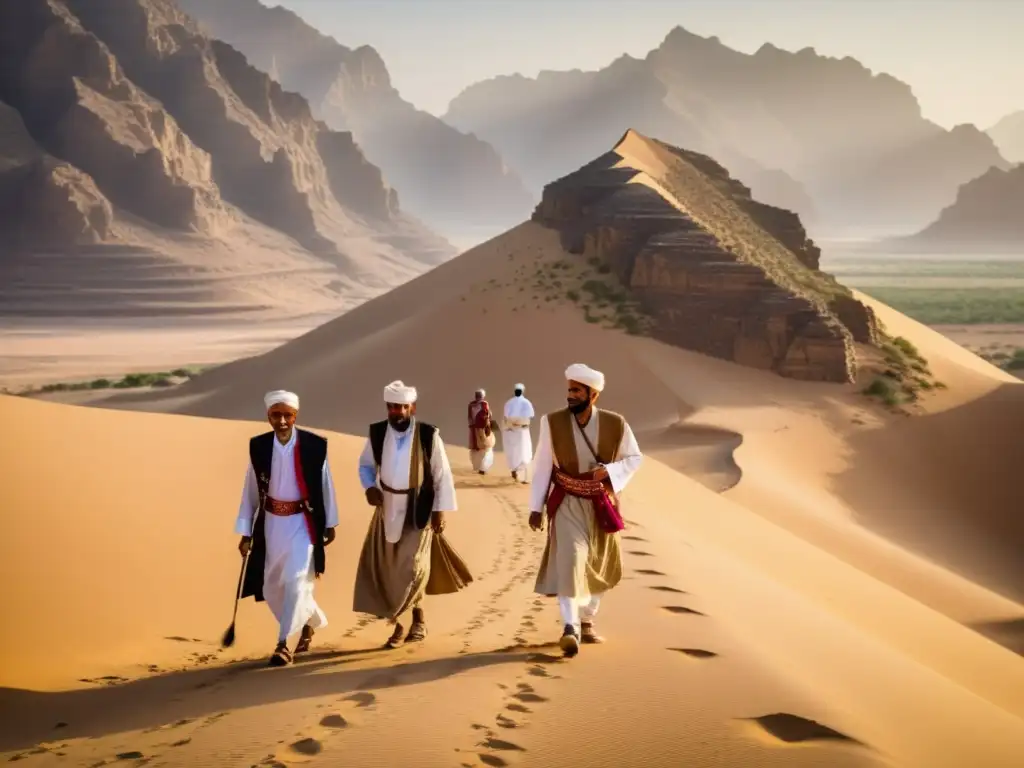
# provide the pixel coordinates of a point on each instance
(405, 474)
(481, 433)
(516, 439)
(286, 518)
(585, 457)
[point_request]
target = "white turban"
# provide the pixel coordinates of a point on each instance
(584, 374)
(481, 392)
(520, 387)
(397, 392)
(283, 397)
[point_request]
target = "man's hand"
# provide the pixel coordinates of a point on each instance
(329, 535)
(245, 545)
(374, 496)
(600, 474)
(536, 521)
(437, 521)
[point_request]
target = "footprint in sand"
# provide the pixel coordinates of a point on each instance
(648, 572)
(638, 553)
(695, 653)
(313, 742)
(793, 729)
(680, 609)
(634, 538)
(663, 588)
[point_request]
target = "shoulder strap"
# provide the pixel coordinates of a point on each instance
(590, 445)
(377, 432)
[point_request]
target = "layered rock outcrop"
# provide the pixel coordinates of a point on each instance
(717, 272)
(50, 202)
(449, 179)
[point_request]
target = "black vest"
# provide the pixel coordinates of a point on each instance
(421, 503)
(312, 454)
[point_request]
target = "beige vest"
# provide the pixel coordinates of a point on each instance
(610, 428)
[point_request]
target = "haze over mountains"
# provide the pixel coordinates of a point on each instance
(820, 135)
(453, 181)
(1008, 134)
(122, 123)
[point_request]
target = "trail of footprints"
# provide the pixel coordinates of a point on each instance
(310, 742)
(783, 726)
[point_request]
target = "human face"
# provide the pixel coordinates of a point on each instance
(579, 397)
(282, 419)
(400, 414)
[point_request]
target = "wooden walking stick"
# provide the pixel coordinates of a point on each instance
(229, 634)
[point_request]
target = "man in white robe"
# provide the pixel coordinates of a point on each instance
(405, 474)
(287, 516)
(516, 439)
(585, 458)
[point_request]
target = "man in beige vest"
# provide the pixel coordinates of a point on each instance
(585, 457)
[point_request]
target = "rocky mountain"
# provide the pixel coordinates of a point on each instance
(1008, 134)
(793, 126)
(712, 269)
(122, 118)
(452, 180)
(988, 213)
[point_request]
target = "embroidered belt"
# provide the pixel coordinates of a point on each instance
(576, 486)
(403, 492)
(283, 508)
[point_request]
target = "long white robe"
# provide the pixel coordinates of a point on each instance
(572, 518)
(394, 473)
(288, 577)
(516, 439)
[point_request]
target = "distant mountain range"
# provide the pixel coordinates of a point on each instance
(846, 148)
(451, 180)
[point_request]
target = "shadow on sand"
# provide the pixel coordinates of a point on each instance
(32, 717)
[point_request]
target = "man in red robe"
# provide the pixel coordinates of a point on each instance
(481, 433)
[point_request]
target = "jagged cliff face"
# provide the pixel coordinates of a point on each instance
(989, 211)
(50, 202)
(856, 142)
(447, 178)
(148, 113)
(716, 271)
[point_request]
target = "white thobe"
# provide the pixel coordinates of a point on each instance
(288, 576)
(516, 438)
(620, 472)
(394, 473)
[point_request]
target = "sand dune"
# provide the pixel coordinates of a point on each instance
(767, 634)
(851, 595)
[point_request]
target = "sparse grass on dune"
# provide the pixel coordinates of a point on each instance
(127, 381)
(905, 374)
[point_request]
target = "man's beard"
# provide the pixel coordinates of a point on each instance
(401, 423)
(578, 406)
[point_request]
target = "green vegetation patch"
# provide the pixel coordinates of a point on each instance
(966, 306)
(128, 381)
(904, 376)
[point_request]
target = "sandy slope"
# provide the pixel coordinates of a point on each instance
(794, 631)
(848, 572)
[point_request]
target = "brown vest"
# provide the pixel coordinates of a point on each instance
(610, 428)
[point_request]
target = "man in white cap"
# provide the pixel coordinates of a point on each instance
(516, 438)
(585, 457)
(481, 433)
(287, 516)
(405, 474)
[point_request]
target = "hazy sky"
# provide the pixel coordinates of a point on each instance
(963, 58)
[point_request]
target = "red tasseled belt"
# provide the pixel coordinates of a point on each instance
(283, 508)
(605, 511)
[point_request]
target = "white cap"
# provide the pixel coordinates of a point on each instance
(397, 392)
(584, 374)
(281, 397)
